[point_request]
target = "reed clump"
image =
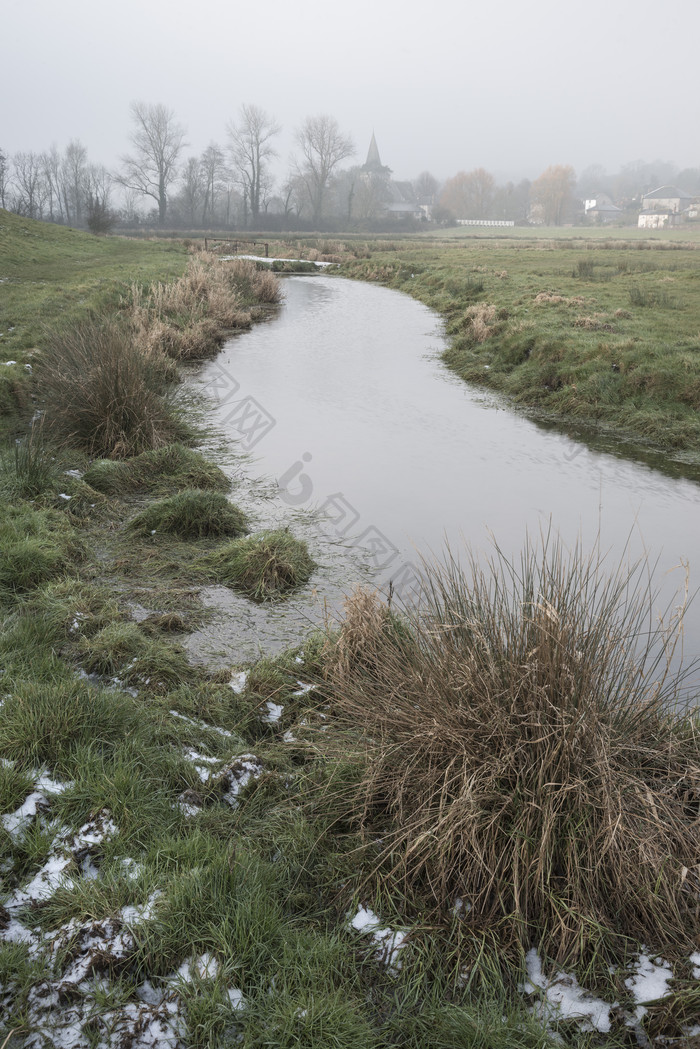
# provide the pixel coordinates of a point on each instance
(526, 752)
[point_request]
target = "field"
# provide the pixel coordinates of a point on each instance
(477, 826)
(593, 332)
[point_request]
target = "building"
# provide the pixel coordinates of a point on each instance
(663, 207)
(378, 195)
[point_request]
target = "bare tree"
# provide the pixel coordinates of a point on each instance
(4, 178)
(191, 196)
(99, 216)
(158, 141)
(73, 177)
(30, 185)
(214, 172)
(250, 145)
(323, 147)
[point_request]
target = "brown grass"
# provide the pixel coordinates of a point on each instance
(525, 753)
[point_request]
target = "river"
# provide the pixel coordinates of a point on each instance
(343, 405)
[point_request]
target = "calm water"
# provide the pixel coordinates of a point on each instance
(342, 402)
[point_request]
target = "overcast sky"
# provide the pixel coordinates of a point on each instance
(511, 85)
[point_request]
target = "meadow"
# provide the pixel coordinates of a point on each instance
(472, 825)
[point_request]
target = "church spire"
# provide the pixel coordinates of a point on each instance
(373, 162)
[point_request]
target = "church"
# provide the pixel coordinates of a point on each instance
(378, 195)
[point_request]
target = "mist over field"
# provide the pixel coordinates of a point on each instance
(446, 88)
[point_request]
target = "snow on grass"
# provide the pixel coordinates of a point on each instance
(196, 723)
(203, 764)
(274, 712)
(389, 941)
(303, 689)
(695, 962)
(15, 823)
(206, 967)
(649, 980)
(564, 998)
(238, 682)
(238, 775)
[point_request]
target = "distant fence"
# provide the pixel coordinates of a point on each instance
(237, 247)
(485, 222)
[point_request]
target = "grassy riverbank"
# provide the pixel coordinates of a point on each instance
(363, 842)
(587, 331)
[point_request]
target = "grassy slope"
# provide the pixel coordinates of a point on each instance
(590, 330)
(49, 274)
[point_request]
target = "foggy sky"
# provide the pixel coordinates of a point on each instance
(511, 86)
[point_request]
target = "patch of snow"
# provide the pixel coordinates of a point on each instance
(389, 942)
(133, 914)
(15, 823)
(303, 689)
(202, 763)
(238, 682)
(288, 736)
(274, 712)
(62, 495)
(131, 868)
(77, 474)
(238, 775)
(196, 723)
(695, 961)
(44, 883)
(564, 998)
(649, 980)
(236, 999)
(206, 967)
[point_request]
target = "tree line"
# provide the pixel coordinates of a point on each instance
(231, 185)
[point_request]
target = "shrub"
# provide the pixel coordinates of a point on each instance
(192, 514)
(102, 394)
(526, 752)
(262, 566)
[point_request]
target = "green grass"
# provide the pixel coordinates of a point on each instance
(603, 332)
(191, 514)
(263, 566)
(157, 471)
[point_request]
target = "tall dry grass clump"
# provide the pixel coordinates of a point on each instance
(188, 318)
(102, 393)
(525, 753)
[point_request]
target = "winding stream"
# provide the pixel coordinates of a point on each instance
(341, 400)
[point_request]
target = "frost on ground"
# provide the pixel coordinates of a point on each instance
(388, 941)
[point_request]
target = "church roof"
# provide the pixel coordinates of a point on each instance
(373, 159)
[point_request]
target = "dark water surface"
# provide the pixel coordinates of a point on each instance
(341, 399)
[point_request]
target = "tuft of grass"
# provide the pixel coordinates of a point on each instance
(102, 394)
(263, 566)
(527, 751)
(27, 467)
(157, 470)
(35, 546)
(192, 514)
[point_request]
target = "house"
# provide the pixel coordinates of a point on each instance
(601, 209)
(663, 207)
